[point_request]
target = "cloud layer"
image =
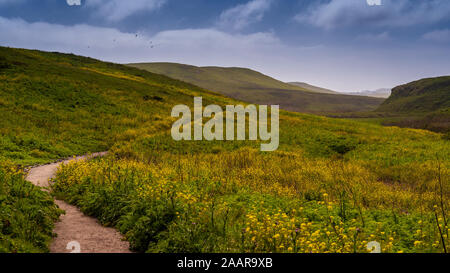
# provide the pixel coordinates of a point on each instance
(243, 15)
(324, 66)
(116, 10)
(186, 45)
(403, 42)
(393, 13)
(73, 2)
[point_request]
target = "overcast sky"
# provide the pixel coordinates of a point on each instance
(345, 45)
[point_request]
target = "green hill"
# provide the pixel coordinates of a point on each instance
(332, 186)
(254, 87)
(422, 96)
(313, 88)
(56, 105)
(422, 104)
(210, 77)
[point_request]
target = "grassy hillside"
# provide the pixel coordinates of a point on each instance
(332, 186)
(27, 214)
(57, 105)
(229, 78)
(313, 88)
(423, 104)
(423, 96)
(254, 87)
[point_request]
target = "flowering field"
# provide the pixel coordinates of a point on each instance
(333, 185)
(168, 196)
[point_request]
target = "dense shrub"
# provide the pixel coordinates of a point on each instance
(246, 201)
(27, 213)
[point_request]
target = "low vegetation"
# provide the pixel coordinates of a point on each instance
(27, 214)
(423, 96)
(333, 186)
(253, 87)
(423, 104)
(57, 105)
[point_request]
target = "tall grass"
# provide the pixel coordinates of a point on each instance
(333, 185)
(27, 214)
(247, 201)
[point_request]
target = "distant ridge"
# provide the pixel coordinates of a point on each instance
(254, 87)
(379, 93)
(209, 77)
(422, 96)
(313, 88)
(422, 104)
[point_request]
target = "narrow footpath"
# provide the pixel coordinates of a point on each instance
(76, 231)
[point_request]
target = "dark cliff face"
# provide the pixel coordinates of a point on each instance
(426, 95)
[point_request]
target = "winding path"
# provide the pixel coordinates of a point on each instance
(75, 228)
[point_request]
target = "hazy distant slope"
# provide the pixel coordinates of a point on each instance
(313, 88)
(254, 87)
(422, 96)
(225, 78)
(379, 93)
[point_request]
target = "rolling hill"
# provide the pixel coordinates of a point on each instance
(422, 104)
(168, 196)
(217, 77)
(254, 87)
(313, 88)
(56, 105)
(422, 96)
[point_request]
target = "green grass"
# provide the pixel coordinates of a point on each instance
(58, 105)
(253, 87)
(27, 214)
(423, 96)
(213, 77)
(422, 104)
(168, 196)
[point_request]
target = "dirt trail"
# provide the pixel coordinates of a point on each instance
(74, 227)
